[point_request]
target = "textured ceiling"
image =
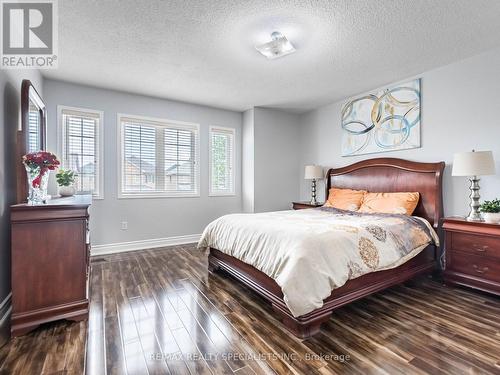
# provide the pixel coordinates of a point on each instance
(203, 51)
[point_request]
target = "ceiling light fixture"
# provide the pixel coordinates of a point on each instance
(278, 46)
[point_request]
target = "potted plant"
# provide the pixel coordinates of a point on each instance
(65, 179)
(491, 211)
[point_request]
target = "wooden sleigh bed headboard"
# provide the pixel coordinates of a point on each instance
(395, 175)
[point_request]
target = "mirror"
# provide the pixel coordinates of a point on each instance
(32, 135)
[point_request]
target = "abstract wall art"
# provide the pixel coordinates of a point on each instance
(386, 120)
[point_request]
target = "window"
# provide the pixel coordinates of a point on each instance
(221, 161)
(159, 158)
(81, 147)
(34, 140)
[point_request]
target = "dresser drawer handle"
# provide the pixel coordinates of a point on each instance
(479, 248)
(480, 270)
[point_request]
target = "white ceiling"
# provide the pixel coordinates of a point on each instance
(203, 51)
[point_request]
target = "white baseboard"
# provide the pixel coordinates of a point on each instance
(121, 247)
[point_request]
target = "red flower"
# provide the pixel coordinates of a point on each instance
(42, 160)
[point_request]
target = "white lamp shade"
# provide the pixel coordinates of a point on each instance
(475, 163)
(313, 172)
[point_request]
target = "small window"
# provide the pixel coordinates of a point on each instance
(159, 158)
(221, 161)
(81, 147)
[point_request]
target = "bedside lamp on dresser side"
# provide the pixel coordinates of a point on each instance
(473, 164)
(313, 173)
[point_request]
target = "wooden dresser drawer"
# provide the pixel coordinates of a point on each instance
(476, 244)
(475, 265)
(50, 262)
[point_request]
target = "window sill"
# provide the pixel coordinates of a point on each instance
(222, 194)
(94, 197)
(147, 196)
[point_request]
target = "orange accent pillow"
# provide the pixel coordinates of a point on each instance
(390, 203)
(345, 199)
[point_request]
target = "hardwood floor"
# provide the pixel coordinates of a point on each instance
(160, 312)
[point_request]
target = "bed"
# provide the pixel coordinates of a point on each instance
(375, 175)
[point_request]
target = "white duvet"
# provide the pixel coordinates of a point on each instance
(311, 252)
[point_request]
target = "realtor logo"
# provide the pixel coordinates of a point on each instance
(29, 34)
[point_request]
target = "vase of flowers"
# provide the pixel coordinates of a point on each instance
(491, 211)
(65, 179)
(38, 166)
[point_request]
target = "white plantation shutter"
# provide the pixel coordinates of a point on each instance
(81, 148)
(139, 152)
(159, 157)
(221, 161)
(33, 128)
(181, 169)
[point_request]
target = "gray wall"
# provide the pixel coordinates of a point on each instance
(460, 104)
(10, 107)
(247, 164)
(149, 218)
(276, 159)
(270, 160)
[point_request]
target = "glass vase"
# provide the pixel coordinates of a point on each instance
(38, 183)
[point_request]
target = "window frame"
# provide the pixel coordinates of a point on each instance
(155, 121)
(99, 149)
(218, 193)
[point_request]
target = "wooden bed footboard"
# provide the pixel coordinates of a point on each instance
(307, 325)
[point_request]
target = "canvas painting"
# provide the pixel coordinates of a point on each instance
(386, 120)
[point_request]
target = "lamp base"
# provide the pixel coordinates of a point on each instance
(313, 192)
(474, 214)
(473, 217)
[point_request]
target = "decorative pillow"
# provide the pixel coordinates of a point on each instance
(345, 199)
(390, 203)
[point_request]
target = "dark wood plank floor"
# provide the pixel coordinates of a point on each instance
(160, 312)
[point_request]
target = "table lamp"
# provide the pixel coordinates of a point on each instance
(473, 164)
(313, 172)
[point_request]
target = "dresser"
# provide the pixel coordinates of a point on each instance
(305, 204)
(472, 254)
(50, 262)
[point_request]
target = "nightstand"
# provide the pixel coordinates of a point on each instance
(305, 204)
(472, 253)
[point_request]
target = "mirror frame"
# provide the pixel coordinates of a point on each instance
(28, 93)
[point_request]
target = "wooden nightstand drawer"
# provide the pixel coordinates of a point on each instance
(474, 265)
(303, 205)
(476, 244)
(472, 252)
